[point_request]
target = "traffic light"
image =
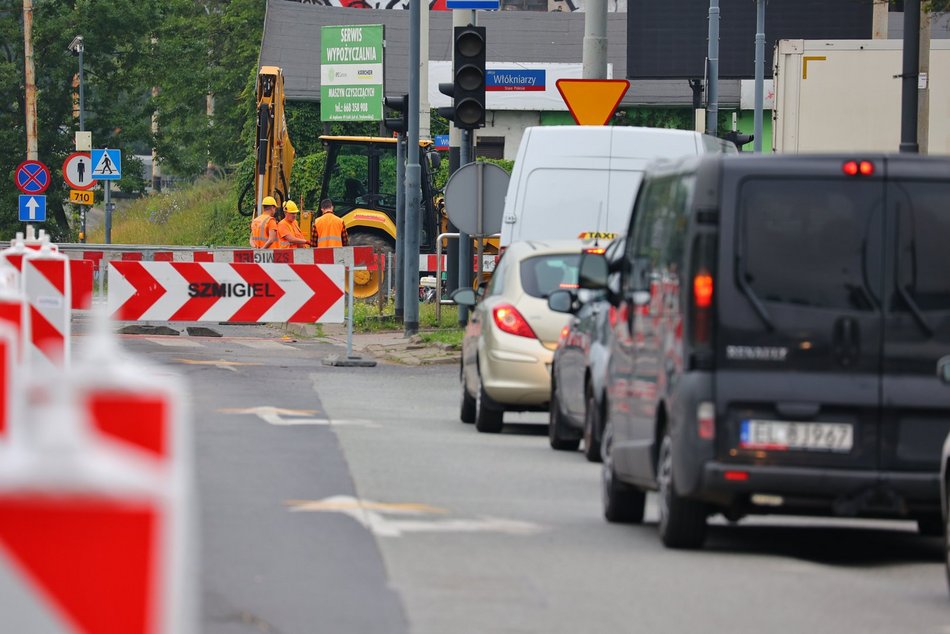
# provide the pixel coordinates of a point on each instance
(468, 79)
(399, 104)
(738, 139)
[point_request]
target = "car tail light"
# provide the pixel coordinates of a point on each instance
(509, 320)
(706, 420)
(736, 476)
(563, 336)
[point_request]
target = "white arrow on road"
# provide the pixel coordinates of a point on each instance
(372, 516)
(275, 416)
(31, 204)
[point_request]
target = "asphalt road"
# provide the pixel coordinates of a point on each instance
(399, 518)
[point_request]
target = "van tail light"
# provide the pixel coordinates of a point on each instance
(703, 290)
(736, 476)
(702, 302)
(706, 420)
(858, 168)
(509, 320)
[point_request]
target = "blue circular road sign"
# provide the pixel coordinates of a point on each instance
(32, 177)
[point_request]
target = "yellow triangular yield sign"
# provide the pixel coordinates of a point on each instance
(592, 101)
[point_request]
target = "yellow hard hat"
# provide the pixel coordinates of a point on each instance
(290, 207)
(268, 202)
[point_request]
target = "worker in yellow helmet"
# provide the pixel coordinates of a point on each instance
(264, 227)
(289, 235)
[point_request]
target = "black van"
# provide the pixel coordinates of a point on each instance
(778, 330)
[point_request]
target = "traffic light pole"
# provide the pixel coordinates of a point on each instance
(413, 181)
(759, 74)
(465, 240)
(400, 222)
(909, 76)
(712, 63)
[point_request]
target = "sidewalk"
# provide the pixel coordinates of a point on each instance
(391, 346)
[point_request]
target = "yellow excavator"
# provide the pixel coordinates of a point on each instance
(274, 153)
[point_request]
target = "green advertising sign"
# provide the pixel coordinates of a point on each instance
(351, 73)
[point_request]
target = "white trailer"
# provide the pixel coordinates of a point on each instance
(845, 95)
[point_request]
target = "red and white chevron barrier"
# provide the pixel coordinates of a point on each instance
(193, 291)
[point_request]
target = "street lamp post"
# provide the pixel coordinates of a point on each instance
(77, 47)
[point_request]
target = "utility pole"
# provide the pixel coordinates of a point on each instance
(759, 74)
(595, 39)
(911, 68)
(32, 153)
(712, 64)
(413, 181)
(400, 224)
(425, 120)
(923, 85)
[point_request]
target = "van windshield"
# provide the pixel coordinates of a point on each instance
(563, 203)
(804, 241)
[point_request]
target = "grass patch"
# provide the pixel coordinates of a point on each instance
(369, 317)
(204, 214)
(451, 336)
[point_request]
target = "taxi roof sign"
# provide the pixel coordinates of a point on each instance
(592, 101)
(596, 235)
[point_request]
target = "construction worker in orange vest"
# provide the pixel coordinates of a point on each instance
(289, 235)
(328, 229)
(264, 227)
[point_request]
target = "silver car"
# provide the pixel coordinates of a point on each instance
(511, 336)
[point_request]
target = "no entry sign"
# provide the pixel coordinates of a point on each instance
(198, 291)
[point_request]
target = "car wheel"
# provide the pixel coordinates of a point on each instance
(467, 413)
(558, 434)
(622, 503)
(487, 419)
(592, 428)
(946, 538)
(682, 521)
(930, 526)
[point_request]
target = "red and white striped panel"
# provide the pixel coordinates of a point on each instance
(46, 324)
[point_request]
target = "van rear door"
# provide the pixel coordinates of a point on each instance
(799, 334)
(916, 413)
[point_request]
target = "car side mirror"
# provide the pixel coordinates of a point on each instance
(943, 369)
(464, 296)
(561, 301)
(593, 272)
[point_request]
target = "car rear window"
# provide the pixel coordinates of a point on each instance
(924, 254)
(803, 241)
(543, 274)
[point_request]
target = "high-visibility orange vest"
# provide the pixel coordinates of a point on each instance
(329, 229)
(288, 227)
(260, 231)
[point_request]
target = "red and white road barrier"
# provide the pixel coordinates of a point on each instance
(9, 352)
(81, 271)
(95, 531)
(46, 326)
(429, 262)
(191, 291)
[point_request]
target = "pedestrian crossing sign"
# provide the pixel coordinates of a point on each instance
(107, 165)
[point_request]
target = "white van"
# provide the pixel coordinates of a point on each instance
(573, 179)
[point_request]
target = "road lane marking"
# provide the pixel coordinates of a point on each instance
(175, 342)
(222, 364)
(278, 416)
(263, 344)
(374, 517)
